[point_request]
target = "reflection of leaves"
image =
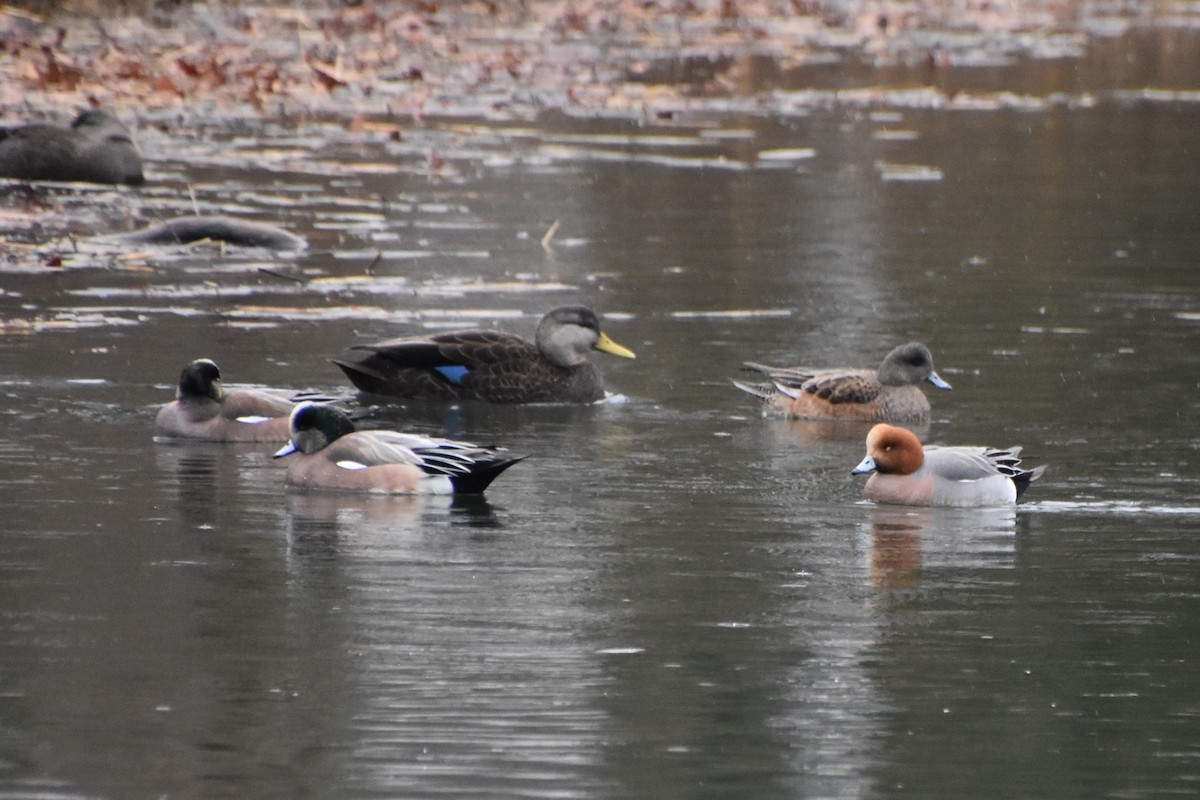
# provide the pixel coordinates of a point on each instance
(513, 53)
(57, 71)
(326, 78)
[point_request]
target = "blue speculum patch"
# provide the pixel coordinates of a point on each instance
(452, 374)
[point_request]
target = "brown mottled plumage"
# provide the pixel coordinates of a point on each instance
(889, 393)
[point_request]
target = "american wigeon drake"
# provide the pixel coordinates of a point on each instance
(204, 409)
(490, 365)
(887, 394)
(97, 148)
(905, 473)
(332, 454)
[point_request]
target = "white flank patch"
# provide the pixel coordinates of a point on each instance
(438, 484)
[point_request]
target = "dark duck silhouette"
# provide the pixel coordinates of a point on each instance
(97, 148)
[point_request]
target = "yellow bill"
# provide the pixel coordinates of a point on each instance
(607, 345)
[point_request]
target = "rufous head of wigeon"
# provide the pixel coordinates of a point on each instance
(891, 450)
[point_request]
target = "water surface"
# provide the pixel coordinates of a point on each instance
(673, 596)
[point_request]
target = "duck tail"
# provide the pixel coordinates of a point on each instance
(481, 475)
(763, 391)
(1024, 477)
(363, 376)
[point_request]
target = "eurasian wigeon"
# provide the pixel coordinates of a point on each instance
(888, 394)
(332, 455)
(905, 473)
(490, 365)
(97, 148)
(204, 409)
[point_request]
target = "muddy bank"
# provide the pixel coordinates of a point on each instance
(409, 60)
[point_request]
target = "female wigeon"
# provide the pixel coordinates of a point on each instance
(333, 455)
(203, 409)
(888, 394)
(905, 473)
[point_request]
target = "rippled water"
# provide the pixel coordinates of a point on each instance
(673, 596)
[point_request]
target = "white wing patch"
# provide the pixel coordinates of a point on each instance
(788, 390)
(351, 465)
(252, 420)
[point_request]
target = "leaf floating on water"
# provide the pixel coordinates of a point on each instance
(178, 292)
(741, 313)
(908, 172)
(64, 321)
(314, 313)
(1061, 331)
(546, 240)
(728, 134)
(326, 78)
(572, 154)
(787, 154)
(451, 289)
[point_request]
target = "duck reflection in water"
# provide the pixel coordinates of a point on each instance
(331, 524)
(908, 545)
(195, 474)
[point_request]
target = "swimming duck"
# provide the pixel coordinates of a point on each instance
(334, 455)
(97, 148)
(239, 232)
(889, 393)
(490, 365)
(905, 473)
(203, 409)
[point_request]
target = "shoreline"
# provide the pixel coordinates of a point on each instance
(595, 60)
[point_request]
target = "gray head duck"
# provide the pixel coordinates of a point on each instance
(490, 365)
(888, 394)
